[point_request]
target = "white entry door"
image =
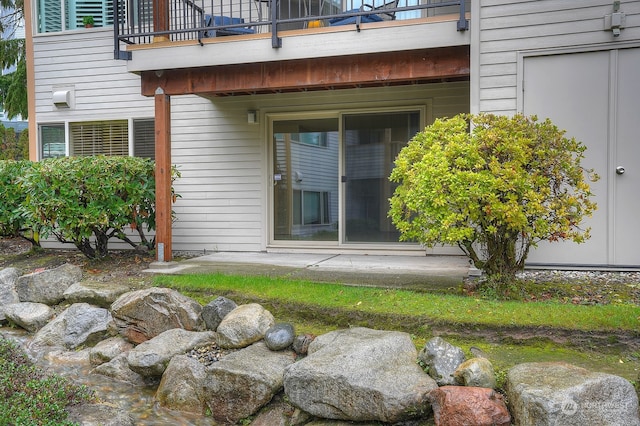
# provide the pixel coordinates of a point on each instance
(595, 96)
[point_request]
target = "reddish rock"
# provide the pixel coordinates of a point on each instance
(469, 406)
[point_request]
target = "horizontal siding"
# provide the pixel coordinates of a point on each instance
(508, 27)
(82, 60)
(224, 161)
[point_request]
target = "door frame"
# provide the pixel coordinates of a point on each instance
(612, 50)
(426, 116)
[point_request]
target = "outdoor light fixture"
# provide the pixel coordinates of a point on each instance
(615, 21)
(252, 117)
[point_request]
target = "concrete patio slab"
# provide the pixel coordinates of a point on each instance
(410, 272)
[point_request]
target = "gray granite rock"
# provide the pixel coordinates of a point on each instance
(442, 359)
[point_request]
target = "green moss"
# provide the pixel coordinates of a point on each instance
(29, 396)
(509, 338)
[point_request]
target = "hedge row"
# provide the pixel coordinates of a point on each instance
(85, 201)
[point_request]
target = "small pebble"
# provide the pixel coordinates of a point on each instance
(208, 354)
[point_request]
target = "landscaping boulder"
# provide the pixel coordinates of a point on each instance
(243, 326)
(48, 286)
(279, 336)
(181, 386)
(98, 414)
(280, 413)
(441, 358)
(301, 343)
(557, 393)
(77, 325)
(94, 293)
(242, 382)
(472, 406)
(28, 315)
(108, 349)
(476, 372)
(360, 374)
(150, 358)
(8, 293)
(214, 312)
(118, 369)
(144, 314)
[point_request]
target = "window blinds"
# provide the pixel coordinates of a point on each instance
(99, 138)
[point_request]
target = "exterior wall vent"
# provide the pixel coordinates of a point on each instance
(62, 98)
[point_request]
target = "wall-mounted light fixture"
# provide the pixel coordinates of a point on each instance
(252, 117)
(615, 21)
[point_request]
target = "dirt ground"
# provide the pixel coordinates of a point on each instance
(121, 266)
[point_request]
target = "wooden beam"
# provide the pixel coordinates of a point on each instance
(381, 69)
(163, 176)
(161, 19)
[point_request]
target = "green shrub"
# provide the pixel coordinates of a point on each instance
(13, 147)
(28, 396)
(494, 190)
(13, 220)
(89, 200)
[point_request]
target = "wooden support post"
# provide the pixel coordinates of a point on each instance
(161, 19)
(163, 175)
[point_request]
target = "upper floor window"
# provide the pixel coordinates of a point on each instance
(61, 15)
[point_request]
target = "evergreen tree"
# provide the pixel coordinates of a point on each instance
(13, 85)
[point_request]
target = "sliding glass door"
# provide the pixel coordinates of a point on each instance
(305, 179)
(331, 175)
(371, 144)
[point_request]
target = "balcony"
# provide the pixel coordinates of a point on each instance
(266, 46)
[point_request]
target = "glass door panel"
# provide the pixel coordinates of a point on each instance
(371, 144)
(305, 179)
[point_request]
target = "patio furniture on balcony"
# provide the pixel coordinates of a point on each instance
(385, 12)
(227, 26)
(138, 22)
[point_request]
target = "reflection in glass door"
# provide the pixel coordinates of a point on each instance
(371, 144)
(305, 179)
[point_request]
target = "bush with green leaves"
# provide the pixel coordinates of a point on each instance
(89, 200)
(13, 220)
(12, 146)
(31, 397)
(493, 185)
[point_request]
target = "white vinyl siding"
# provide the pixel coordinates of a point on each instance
(82, 63)
(224, 162)
(509, 27)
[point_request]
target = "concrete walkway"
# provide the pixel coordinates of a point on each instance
(411, 272)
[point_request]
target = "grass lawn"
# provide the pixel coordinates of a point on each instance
(465, 321)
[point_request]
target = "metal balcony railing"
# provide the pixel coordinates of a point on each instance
(174, 20)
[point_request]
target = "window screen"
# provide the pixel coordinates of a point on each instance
(144, 138)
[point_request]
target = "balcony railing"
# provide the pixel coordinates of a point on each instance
(174, 20)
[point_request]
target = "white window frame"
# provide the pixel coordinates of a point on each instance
(67, 134)
(101, 10)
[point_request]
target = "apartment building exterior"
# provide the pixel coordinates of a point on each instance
(284, 117)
